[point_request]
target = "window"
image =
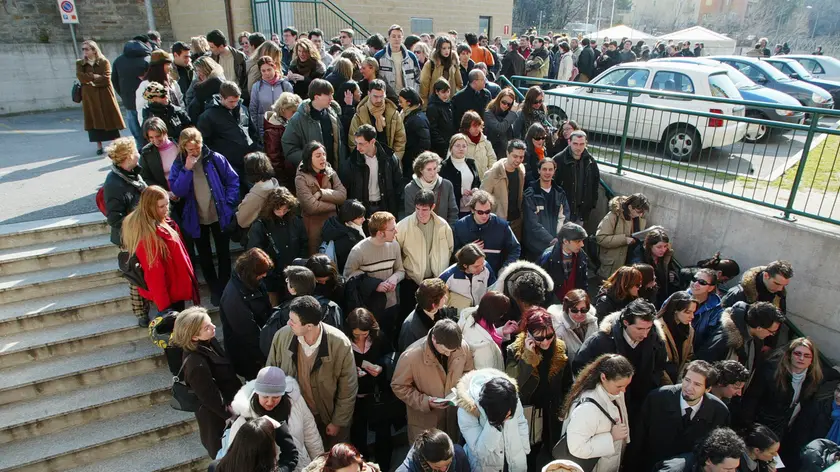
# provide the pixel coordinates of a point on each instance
(750, 71)
(812, 66)
(672, 82)
(721, 86)
(623, 78)
(484, 25)
(421, 25)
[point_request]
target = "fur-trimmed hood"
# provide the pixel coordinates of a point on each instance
(734, 335)
(615, 205)
(749, 281)
(512, 270)
(241, 404)
(558, 361)
(608, 325)
(468, 390)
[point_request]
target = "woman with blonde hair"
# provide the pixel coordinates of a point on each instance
(208, 372)
(423, 52)
(210, 76)
(154, 237)
(199, 47)
(306, 66)
(274, 125)
(266, 91)
(342, 72)
(269, 49)
(442, 63)
(103, 120)
(462, 172)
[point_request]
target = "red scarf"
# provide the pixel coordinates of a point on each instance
(474, 139)
(540, 153)
(273, 81)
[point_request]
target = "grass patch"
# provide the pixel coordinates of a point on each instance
(822, 169)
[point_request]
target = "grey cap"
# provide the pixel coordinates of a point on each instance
(271, 382)
(572, 232)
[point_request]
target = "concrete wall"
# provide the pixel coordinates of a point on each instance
(39, 76)
(26, 21)
(700, 224)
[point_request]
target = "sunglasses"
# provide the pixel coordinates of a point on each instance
(507, 104)
(538, 102)
(482, 212)
(701, 282)
(539, 138)
(578, 310)
(540, 339)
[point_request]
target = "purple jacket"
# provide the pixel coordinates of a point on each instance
(224, 186)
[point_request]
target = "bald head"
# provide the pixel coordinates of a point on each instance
(477, 79)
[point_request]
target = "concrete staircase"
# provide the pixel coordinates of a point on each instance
(81, 386)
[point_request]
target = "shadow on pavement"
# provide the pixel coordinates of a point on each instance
(78, 206)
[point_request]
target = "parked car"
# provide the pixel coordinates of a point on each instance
(753, 92)
(795, 70)
(683, 136)
(821, 67)
(765, 74)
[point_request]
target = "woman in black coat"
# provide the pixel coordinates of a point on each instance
(208, 372)
(621, 288)
(418, 137)
(244, 309)
(281, 234)
(449, 171)
(210, 77)
(439, 113)
(345, 230)
(499, 120)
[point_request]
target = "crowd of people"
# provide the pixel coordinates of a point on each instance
(414, 258)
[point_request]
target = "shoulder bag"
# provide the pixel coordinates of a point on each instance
(131, 270)
(76, 92)
(561, 449)
(183, 396)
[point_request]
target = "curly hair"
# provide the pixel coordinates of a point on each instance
(421, 161)
(121, 149)
(276, 199)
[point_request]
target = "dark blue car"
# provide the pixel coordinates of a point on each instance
(795, 70)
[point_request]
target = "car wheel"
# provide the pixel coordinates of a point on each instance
(756, 133)
(556, 117)
(682, 143)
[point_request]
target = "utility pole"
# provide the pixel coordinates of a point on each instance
(150, 14)
(539, 28)
(588, 4)
(612, 14)
(598, 19)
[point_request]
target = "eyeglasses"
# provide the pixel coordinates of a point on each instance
(701, 282)
(578, 310)
(482, 212)
(771, 331)
(539, 138)
(507, 104)
(540, 339)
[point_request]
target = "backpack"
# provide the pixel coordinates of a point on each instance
(100, 201)
(328, 248)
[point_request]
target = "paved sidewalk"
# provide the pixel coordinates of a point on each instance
(47, 166)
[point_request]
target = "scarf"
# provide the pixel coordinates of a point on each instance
(303, 68)
(273, 81)
(474, 139)
(166, 145)
(540, 152)
(834, 432)
(132, 177)
(408, 111)
(378, 115)
(426, 185)
(492, 330)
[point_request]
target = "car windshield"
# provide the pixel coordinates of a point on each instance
(721, 86)
(740, 80)
(774, 73)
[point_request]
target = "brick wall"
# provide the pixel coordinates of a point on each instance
(25, 21)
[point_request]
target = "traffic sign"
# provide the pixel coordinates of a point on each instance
(506, 30)
(67, 9)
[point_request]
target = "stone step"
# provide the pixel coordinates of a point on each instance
(50, 414)
(98, 440)
(53, 229)
(181, 454)
(65, 373)
(49, 255)
(49, 282)
(45, 312)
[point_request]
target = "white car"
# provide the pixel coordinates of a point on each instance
(683, 136)
(821, 67)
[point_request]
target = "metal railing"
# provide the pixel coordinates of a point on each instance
(272, 16)
(795, 169)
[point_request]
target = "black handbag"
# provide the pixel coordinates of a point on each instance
(183, 396)
(76, 92)
(561, 449)
(131, 269)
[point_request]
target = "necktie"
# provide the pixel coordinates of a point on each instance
(687, 416)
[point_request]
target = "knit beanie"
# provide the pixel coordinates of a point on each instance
(572, 232)
(271, 382)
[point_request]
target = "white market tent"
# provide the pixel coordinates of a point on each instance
(715, 43)
(619, 32)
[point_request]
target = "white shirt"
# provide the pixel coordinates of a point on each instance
(307, 349)
(694, 409)
(627, 338)
(373, 181)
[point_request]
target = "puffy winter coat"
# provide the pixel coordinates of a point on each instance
(127, 70)
(416, 259)
(499, 130)
(728, 340)
(488, 448)
(589, 432)
(441, 124)
(496, 183)
(417, 139)
(706, 318)
(482, 153)
(394, 127)
(171, 278)
(485, 351)
(542, 226)
(465, 290)
(303, 129)
(317, 210)
(567, 334)
(224, 187)
(431, 72)
(747, 291)
(388, 70)
(446, 205)
(243, 312)
(500, 244)
(228, 132)
(612, 234)
(301, 423)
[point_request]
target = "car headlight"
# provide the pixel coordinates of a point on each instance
(817, 98)
(784, 112)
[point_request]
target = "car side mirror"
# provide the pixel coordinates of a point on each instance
(794, 76)
(761, 80)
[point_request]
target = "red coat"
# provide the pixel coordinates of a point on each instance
(170, 279)
(273, 129)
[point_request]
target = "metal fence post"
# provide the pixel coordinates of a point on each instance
(815, 118)
(316, 14)
(624, 133)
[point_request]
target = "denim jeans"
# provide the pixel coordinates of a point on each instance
(134, 127)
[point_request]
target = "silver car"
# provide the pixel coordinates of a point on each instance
(821, 67)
